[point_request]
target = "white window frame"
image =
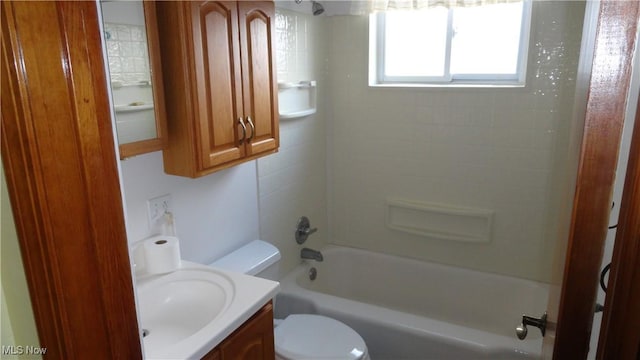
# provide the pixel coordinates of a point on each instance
(376, 59)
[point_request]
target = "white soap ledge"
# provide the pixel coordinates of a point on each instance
(440, 221)
(297, 99)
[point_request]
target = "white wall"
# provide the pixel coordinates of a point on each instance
(17, 323)
(492, 149)
(293, 182)
(213, 215)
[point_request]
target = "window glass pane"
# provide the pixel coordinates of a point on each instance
(415, 42)
(486, 39)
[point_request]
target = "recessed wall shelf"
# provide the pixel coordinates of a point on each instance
(297, 99)
(440, 221)
(132, 107)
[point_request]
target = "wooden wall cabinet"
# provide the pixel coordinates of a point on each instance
(252, 341)
(218, 62)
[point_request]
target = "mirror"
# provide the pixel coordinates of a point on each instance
(133, 56)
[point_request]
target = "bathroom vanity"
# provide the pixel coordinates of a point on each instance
(252, 340)
(199, 311)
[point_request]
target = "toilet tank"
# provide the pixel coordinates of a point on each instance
(258, 258)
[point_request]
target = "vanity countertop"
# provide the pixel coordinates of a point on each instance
(248, 295)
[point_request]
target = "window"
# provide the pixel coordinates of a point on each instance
(476, 45)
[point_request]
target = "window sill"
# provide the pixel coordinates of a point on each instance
(449, 85)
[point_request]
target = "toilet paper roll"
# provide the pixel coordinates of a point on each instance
(161, 254)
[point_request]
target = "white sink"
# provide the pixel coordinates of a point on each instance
(178, 305)
(186, 313)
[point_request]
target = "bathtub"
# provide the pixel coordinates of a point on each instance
(408, 309)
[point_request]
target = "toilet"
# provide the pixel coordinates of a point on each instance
(298, 336)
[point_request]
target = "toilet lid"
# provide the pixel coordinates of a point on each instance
(317, 337)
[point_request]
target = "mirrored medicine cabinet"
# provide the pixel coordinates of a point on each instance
(133, 56)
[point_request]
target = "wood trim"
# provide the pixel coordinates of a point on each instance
(26, 214)
(59, 156)
(604, 118)
(619, 335)
(173, 23)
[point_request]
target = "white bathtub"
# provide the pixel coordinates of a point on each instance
(407, 309)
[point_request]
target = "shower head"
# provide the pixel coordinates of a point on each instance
(317, 8)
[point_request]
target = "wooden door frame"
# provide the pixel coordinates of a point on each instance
(60, 162)
(604, 119)
(59, 156)
(619, 337)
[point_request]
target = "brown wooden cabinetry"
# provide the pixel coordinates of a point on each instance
(252, 341)
(218, 63)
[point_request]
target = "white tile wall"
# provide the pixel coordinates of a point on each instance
(126, 41)
(483, 148)
(127, 52)
(293, 182)
(494, 149)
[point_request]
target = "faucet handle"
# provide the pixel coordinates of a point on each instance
(310, 231)
(303, 229)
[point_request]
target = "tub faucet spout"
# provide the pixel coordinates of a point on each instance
(307, 253)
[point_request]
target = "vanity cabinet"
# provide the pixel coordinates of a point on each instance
(218, 62)
(252, 341)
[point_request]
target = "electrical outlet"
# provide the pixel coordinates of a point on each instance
(157, 207)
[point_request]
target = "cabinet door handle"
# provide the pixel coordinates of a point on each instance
(253, 128)
(244, 129)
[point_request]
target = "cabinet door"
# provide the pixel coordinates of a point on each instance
(260, 88)
(254, 340)
(219, 135)
(212, 355)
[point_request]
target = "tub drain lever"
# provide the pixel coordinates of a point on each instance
(521, 330)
